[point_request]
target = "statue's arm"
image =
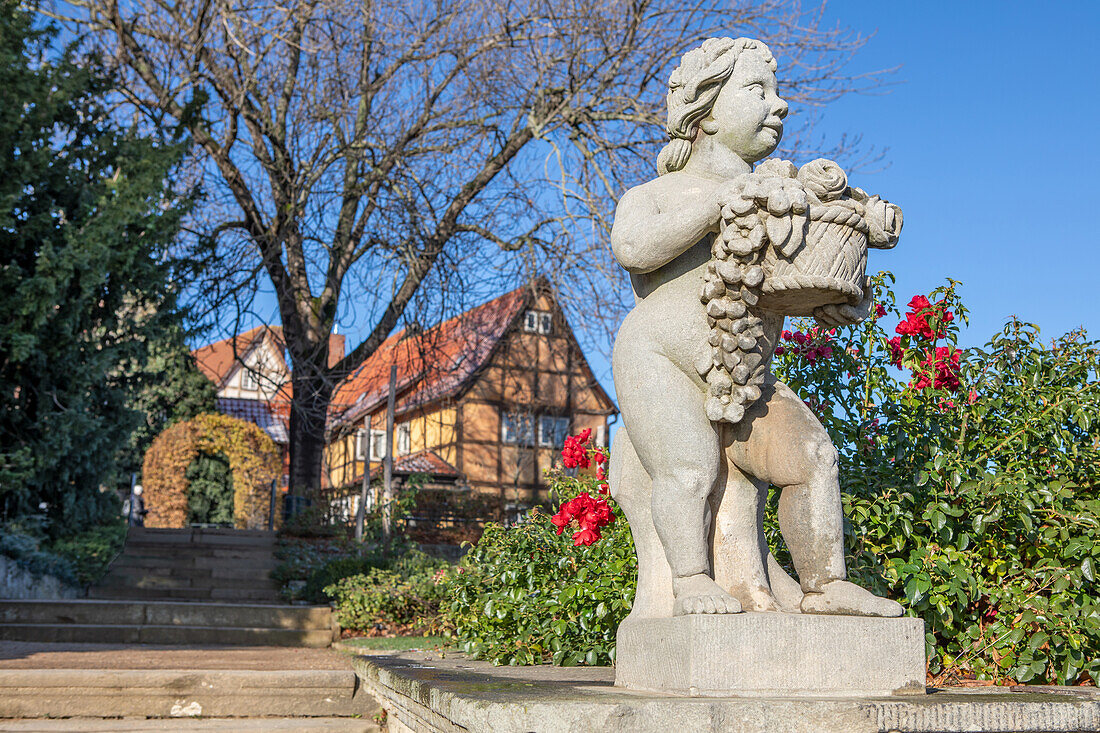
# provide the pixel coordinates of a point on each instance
(653, 228)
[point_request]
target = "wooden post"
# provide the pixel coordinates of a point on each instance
(387, 466)
(271, 508)
(360, 516)
(130, 513)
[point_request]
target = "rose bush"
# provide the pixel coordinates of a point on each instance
(969, 478)
(534, 593)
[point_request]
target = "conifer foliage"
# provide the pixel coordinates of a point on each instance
(85, 222)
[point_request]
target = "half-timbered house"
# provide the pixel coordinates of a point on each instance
(484, 400)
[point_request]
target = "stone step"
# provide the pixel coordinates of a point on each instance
(140, 578)
(154, 549)
(228, 594)
(189, 725)
(201, 536)
(257, 564)
(89, 612)
(149, 634)
(46, 693)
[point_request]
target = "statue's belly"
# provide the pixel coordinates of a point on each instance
(669, 319)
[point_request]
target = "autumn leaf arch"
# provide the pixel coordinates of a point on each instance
(253, 460)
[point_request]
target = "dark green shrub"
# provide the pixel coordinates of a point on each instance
(210, 490)
(969, 478)
(23, 540)
(971, 486)
(333, 571)
(388, 597)
(91, 551)
(79, 559)
(527, 595)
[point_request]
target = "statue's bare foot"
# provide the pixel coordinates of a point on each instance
(757, 598)
(842, 598)
(700, 594)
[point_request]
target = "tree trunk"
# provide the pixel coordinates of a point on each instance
(313, 389)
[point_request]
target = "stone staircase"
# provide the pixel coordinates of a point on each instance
(220, 565)
(159, 622)
(178, 586)
(180, 694)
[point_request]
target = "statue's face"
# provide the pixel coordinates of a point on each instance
(748, 114)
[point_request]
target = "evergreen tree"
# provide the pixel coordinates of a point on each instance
(86, 220)
(210, 490)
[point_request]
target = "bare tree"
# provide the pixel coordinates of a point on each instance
(387, 156)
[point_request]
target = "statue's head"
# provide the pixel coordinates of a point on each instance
(726, 88)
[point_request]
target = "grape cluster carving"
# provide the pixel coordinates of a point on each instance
(767, 206)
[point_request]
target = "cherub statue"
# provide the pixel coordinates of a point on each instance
(718, 256)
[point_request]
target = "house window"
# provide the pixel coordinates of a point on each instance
(517, 428)
(552, 431)
(402, 439)
(248, 380)
(376, 445)
(538, 322)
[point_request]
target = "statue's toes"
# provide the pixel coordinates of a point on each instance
(706, 604)
(847, 599)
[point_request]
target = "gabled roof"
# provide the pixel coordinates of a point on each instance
(219, 359)
(273, 419)
(431, 364)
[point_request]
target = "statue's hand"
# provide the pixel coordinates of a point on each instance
(842, 314)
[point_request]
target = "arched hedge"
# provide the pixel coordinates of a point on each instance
(253, 459)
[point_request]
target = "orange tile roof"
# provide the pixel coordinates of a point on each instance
(425, 461)
(217, 360)
(433, 364)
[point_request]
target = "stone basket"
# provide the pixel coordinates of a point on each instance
(828, 269)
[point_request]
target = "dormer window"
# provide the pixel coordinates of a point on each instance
(248, 381)
(538, 322)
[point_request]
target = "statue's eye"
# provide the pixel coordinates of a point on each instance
(756, 88)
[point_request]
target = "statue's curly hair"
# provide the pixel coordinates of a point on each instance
(692, 89)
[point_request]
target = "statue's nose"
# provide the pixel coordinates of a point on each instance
(781, 109)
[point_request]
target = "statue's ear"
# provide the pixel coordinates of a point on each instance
(709, 126)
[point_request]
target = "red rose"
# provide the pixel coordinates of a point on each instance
(918, 302)
(896, 352)
(560, 521)
(586, 537)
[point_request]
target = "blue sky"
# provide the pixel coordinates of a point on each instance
(993, 153)
(992, 150)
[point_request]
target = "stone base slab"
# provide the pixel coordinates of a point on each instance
(429, 692)
(771, 654)
(166, 693)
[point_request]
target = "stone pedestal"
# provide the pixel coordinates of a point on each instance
(771, 654)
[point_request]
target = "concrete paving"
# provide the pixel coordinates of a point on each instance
(32, 655)
(108, 681)
(221, 725)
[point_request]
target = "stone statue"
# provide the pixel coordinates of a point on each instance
(718, 255)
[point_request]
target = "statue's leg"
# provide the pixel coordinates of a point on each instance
(680, 450)
(631, 488)
(782, 442)
(739, 545)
